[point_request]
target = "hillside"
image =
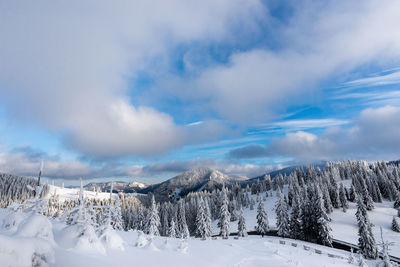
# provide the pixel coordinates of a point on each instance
(251, 251)
(343, 224)
(190, 181)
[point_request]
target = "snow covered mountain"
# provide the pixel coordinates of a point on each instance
(190, 181)
(117, 186)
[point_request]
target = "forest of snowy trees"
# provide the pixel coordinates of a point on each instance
(15, 189)
(306, 198)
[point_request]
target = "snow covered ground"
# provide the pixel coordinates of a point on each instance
(57, 242)
(343, 224)
(16, 249)
(73, 193)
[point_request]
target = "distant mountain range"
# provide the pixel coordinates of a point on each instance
(194, 180)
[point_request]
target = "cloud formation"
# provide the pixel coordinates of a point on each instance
(373, 135)
(26, 161)
(318, 43)
(68, 66)
(231, 168)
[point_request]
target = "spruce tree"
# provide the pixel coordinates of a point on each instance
(343, 199)
(368, 202)
(282, 216)
(242, 231)
(396, 204)
(334, 192)
(295, 223)
(366, 240)
(307, 214)
(224, 215)
(262, 219)
(252, 203)
(352, 194)
(208, 216)
(140, 219)
(202, 230)
(321, 224)
(171, 232)
(182, 228)
(327, 200)
(153, 220)
(395, 225)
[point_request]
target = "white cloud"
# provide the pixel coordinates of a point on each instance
(320, 42)
(177, 166)
(374, 135)
(26, 161)
(22, 163)
(379, 80)
(67, 66)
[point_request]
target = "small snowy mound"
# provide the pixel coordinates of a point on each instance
(12, 221)
(183, 246)
(38, 226)
(151, 245)
(111, 239)
(142, 240)
(80, 238)
(167, 244)
(88, 241)
(24, 251)
(32, 244)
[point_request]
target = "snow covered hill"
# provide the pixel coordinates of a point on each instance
(117, 186)
(73, 193)
(16, 250)
(190, 181)
(343, 224)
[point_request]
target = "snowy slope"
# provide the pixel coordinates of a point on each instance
(73, 193)
(344, 225)
(251, 251)
(190, 181)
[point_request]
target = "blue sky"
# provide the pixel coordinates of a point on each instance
(143, 91)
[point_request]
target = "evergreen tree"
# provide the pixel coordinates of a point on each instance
(295, 223)
(368, 202)
(202, 230)
(282, 216)
(164, 220)
(182, 228)
(395, 225)
(396, 204)
(208, 216)
(153, 220)
(171, 229)
(307, 215)
(224, 215)
(117, 222)
(262, 219)
(140, 219)
(366, 240)
(352, 194)
(343, 199)
(252, 203)
(321, 225)
(242, 231)
(290, 194)
(334, 192)
(327, 200)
